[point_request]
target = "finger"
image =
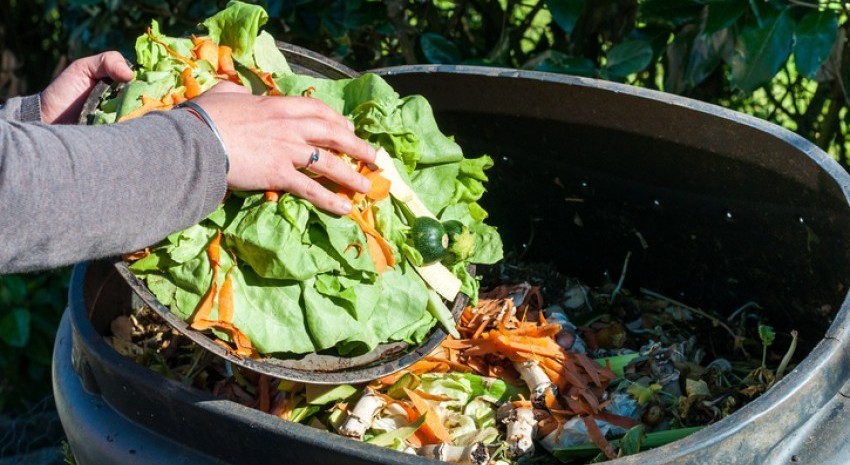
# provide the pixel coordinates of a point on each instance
(306, 107)
(109, 64)
(325, 163)
(324, 134)
(228, 87)
(310, 190)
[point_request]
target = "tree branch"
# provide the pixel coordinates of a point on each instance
(397, 16)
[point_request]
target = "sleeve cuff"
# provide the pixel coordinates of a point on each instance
(24, 109)
(213, 157)
(31, 109)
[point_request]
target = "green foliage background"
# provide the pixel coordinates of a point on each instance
(782, 60)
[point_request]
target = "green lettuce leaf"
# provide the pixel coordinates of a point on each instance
(152, 56)
(272, 238)
(435, 184)
(268, 57)
(237, 27)
(269, 312)
(488, 244)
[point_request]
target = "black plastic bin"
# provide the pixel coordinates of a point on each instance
(717, 208)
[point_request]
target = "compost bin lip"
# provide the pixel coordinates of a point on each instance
(808, 387)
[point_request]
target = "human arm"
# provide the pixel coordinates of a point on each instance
(71, 193)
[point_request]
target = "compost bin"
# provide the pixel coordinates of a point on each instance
(714, 206)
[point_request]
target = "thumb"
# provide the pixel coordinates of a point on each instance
(110, 65)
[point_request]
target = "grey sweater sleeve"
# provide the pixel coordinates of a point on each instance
(27, 109)
(72, 193)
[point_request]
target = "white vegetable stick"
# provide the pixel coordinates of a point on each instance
(475, 454)
(538, 383)
(440, 279)
(435, 275)
(360, 418)
(398, 188)
(522, 427)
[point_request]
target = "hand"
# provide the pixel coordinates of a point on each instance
(63, 99)
(268, 139)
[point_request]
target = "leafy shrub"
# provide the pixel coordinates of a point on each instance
(30, 307)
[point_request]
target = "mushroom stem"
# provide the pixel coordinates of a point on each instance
(360, 418)
(474, 454)
(538, 383)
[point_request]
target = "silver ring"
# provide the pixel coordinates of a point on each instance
(314, 157)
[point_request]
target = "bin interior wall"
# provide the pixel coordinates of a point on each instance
(715, 213)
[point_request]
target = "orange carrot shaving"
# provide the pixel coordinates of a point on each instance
(225, 64)
(214, 251)
(201, 319)
(272, 196)
(268, 81)
(177, 98)
(480, 330)
(380, 185)
(148, 105)
(243, 344)
(172, 52)
(308, 92)
(435, 397)
(138, 255)
(415, 440)
(412, 413)
(425, 366)
(534, 330)
(379, 248)
(454, 366)
(225, 299)
(432, 425)
(204, 308)
(193, 89)
(377, 254)
(356, 245)
(389, 380)
(206, 49)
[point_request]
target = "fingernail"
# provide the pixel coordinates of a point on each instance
(373, 151)
(365, 185)
(350, 125)
(344, 207)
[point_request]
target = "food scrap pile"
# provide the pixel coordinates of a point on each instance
(596, 374)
